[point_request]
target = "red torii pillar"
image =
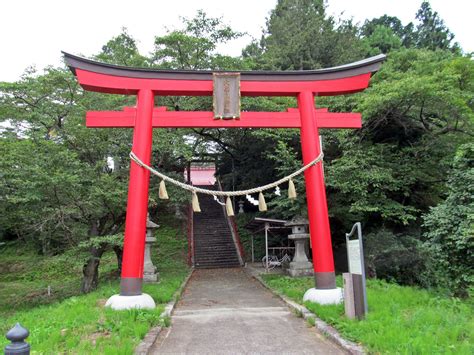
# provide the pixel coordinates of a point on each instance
(320, 233)
(146, 83)
(137, 206)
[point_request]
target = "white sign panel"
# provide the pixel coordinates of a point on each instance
(354, 256)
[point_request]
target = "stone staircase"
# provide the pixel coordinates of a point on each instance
(213, 243)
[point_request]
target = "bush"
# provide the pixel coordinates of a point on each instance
(395, 257)
(450, 229)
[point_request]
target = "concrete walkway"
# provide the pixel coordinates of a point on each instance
(225, 311)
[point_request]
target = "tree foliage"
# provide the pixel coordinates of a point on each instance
(429, 32)
(194, 46)
(450, 228)
(300, 35)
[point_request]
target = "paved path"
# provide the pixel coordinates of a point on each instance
(225, 311)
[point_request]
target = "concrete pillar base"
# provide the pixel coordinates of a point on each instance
(324, 296)
(119, 302)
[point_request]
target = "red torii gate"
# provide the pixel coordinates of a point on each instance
(146, 84)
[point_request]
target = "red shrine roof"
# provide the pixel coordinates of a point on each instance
(116, 79)
(364, 66)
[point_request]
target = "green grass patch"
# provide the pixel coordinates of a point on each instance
(25, 276)
(401, 319)
(81, 324)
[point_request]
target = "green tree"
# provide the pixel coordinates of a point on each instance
(449, 228)
(122, 50)
(194, 46)
(382, 40)
(431, 32)
(406, 34)
(391, 22)
(300, 35)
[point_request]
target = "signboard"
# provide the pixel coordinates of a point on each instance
(226, 98)
(354, 256)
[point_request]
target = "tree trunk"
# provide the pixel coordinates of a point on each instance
(90, 270)
(118, 252)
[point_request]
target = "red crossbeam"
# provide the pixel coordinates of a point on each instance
(205, 119)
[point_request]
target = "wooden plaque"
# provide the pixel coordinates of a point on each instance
(226, 99)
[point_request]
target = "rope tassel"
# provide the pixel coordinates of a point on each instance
(228, 207)
(262, 205)
(195, 202)
(162, 193)
(291, 190)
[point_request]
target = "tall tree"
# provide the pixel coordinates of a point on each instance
(122, 50)
(300, 35)
(382, 40)
(194, 45)
(380, 33)
(431, 32)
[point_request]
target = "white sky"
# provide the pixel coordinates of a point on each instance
(33, 32)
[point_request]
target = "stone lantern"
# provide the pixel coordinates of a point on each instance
(149, 270)
(241, 206)
(300, 265)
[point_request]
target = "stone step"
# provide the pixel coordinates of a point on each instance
(207, 247)
(216, 264)
(207, 229)
(213, 243)
(228, 245)
(213, 237)
(226, 266)
(215, 257)
(228, 251)
(218, 248)
(214, 247)
(216, 260)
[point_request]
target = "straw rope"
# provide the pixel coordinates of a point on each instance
(195, 189)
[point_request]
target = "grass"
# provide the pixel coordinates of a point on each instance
(25, 277)
(401, 319)
(81, 324)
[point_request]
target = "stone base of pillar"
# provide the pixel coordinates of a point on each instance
(150, 278)
(118, 302)
(300, 268)
(324, 296)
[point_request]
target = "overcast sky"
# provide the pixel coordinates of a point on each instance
(34, 32)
